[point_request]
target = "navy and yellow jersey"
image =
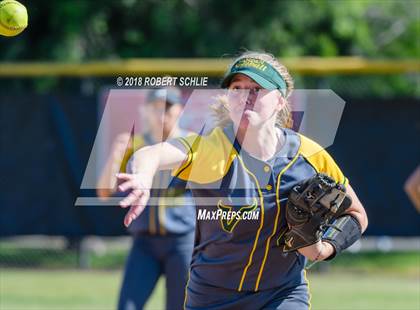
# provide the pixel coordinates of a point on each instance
(162, 217)
(246, 254)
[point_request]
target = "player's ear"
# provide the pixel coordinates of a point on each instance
(281, 102)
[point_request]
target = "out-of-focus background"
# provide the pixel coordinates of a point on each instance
(53, 76)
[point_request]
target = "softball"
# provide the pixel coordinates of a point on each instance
(13, 18)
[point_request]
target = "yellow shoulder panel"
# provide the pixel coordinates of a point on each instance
(320, 159)
(209, 157)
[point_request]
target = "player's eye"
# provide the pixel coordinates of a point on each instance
(235, 90)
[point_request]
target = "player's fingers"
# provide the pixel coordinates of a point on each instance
(131, 198)
(124, 176)
(137, 209)
(132, 214)
(130, 184)
(144, 198)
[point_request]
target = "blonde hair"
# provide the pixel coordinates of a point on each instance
(284, 117)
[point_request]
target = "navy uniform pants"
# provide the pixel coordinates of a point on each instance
(293, 296)
(149, 258)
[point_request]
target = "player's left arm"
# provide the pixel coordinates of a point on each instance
(344, 230)
(356, 209)
(348, 229)
(324, 249)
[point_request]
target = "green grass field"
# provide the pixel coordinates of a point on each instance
(84, 290)
(364, 281)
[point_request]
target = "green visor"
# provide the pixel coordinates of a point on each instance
(258, 70)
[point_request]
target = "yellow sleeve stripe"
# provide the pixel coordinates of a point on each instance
(320, 159)
(188, 161)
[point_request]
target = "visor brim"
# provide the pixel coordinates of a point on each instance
(254, 76)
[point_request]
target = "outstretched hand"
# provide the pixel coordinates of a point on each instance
(138, 186)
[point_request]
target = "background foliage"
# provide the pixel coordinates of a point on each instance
(82, 30)
(75, 30)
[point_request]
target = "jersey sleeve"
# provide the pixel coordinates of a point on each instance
(209, 157)
(320, 160)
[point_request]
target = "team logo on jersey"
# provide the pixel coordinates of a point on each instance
(289, 242)
(229, 223)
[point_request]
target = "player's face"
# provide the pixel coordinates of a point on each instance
(163, 115)
(172, 113)
(251, 105)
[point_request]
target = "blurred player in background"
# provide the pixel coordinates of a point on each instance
(251, 162)
(412, 188)
(163, 238)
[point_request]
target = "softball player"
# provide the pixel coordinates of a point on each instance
(249, 163)
(163, 237)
